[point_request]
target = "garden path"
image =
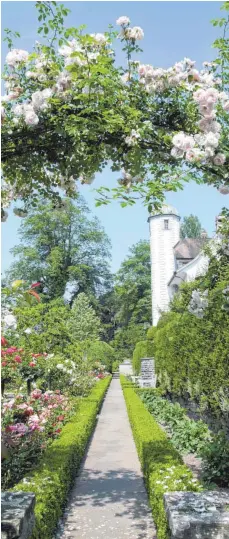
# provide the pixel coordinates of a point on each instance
(109, 499)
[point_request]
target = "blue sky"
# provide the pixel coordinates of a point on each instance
(172, 30)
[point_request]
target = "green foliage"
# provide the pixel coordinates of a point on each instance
(48, 324)
(81, 134)
(132, 300)
(140, 351)
(215, 460)
(133, 286)
(161, 463)
(115, 365)
(192, 353)
(102, 352)
(83, 323)
(126, 338)
(187, 436)
(191, 227)
(54, 476)
(62, 247)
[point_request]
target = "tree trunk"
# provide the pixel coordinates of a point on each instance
(28, 387)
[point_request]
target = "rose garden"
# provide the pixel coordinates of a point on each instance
(84, 452)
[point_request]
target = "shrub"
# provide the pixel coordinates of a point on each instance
(140, 351)
(187, 435)
(215, 458)
(103, 352)
(115, 365)
(190, 344)
(161, 463)
(52, 479)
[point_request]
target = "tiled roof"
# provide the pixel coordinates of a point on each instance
(189, 248)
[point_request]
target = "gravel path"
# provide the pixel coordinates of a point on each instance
(109, 498)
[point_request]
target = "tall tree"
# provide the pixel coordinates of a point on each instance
(63, 248)
(191, 227)
(83, 322)
(133, 286)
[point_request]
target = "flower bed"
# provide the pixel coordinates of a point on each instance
(52, 478)
(28, 426)
(161, 463)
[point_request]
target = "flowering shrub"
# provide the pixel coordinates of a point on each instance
(18, 363)
(60, 463)
(28, 425)
(103, 112)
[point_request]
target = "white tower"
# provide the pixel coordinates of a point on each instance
(164, 234)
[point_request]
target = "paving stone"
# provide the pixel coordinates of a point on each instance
(109, 499)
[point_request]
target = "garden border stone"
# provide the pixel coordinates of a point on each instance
(198, 515)
(17, 519)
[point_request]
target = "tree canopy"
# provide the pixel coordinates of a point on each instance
(63, 247)
(190, 227)
(69, 110)
(83, 322)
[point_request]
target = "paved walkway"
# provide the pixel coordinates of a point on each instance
(109, 498)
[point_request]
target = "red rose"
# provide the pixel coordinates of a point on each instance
(57, 431)
(18, 359)
(32, 364)
(4, 341)
(10, 350)
(4, 363)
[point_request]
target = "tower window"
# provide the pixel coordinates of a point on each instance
(166, 224)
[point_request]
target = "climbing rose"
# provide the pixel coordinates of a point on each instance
(123, 21)
(135, 33)
(16, 56)
(219, 159)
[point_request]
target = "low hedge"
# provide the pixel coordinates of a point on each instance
(53, 477)
(161, 464)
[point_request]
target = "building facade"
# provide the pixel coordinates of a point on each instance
(173, 260)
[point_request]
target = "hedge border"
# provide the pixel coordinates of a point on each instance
(161, 464)
(53, 477)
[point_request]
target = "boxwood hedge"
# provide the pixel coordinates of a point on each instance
(53, 477)
(161, 464)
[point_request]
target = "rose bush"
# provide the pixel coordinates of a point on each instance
(28, 426)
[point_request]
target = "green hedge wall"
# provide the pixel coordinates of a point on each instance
(139, 352)
(192, 354)
(53, 477)
(161, 463)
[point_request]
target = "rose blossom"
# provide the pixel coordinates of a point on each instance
(224, 189)
(219, 159)
(123, 21)
(16, 56)
(135, 33)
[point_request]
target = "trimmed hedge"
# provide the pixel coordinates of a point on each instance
(142, 349)
(161, 464)
(53, 477)
(192, 354)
